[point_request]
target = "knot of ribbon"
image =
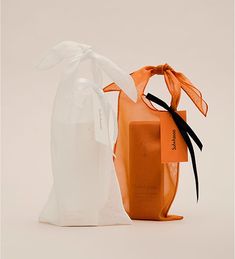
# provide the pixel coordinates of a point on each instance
(160, 69)
(176, 81)
(186, 132)
(74, 53)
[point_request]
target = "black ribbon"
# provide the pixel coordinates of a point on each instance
(186, 133)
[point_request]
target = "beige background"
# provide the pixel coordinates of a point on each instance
(195, 37)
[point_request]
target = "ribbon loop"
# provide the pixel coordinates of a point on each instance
(62, 51)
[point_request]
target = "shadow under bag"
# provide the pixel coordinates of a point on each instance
(148, 185)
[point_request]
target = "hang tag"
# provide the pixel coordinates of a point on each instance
(173, 146)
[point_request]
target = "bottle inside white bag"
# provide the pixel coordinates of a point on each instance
(85, 190)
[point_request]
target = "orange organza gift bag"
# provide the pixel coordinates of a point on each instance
(149, 184)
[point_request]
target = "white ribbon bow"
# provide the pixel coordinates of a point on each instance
(75, 53)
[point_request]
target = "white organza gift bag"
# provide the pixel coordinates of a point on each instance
(85, 190)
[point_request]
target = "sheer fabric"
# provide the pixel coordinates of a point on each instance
(85, 190)
(148, 186)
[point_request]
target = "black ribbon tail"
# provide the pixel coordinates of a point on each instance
(193, 158)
